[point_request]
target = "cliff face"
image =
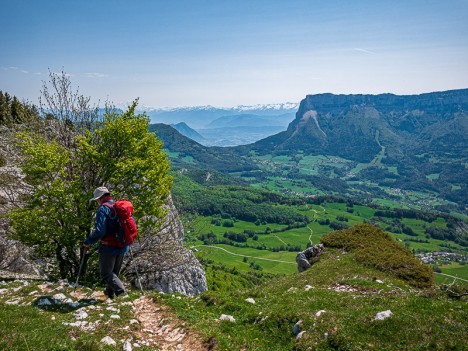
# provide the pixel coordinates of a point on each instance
(164, 264)
(14, 256)
(357, 127)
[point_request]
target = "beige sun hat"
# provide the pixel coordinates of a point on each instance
(102, 190)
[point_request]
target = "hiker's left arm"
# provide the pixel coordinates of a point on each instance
(99, 226)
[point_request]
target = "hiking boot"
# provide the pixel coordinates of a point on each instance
(109, 293)
(121, 294)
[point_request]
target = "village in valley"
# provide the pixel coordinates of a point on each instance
(442, 258)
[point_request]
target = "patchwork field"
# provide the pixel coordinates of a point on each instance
(273, 247)
(307, 174)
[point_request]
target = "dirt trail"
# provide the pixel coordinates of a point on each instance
(161, 329)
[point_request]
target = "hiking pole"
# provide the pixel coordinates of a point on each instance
(136, 272)
(81, 267)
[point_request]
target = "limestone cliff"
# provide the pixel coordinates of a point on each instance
(164, 264)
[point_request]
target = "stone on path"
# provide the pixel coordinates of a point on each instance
(107, 340)
(81, 314)
(127, 346)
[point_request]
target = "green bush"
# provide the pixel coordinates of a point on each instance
(372, 246)
(2, 161)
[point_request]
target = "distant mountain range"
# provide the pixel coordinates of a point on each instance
(414, 142)
(227, 126)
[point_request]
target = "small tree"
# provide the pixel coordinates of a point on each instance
(131, 162)
(74, 154)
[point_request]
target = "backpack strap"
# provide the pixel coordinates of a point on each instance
(112, 209)
(110, 226)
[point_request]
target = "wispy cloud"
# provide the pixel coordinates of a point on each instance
(11, 68)
(17, 69)
(96, 75)
(60, 73)
(365, 51)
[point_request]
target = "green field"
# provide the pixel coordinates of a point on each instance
(230, 256)
(456, 270)
(302, 236)
(277, 170)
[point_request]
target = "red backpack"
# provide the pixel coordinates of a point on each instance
(125, 229)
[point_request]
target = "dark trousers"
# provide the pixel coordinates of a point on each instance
(109, 266)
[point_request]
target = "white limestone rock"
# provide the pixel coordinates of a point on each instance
(81, 314)
(127, 346)
(300, 335)
(226, 317)
(383, 315)
(107, 340)
(164, 264)
(319, 313)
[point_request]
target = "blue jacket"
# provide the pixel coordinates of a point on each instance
(103, 215)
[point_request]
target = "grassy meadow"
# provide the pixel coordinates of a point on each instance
(337, 301)
(334, 304)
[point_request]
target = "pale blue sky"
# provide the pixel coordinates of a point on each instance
(226, 53)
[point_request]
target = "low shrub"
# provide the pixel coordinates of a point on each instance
(372, 246)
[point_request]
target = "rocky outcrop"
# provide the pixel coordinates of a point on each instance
(163, 263)
(15, 258)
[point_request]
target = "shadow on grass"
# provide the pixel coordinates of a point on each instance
(48, 303)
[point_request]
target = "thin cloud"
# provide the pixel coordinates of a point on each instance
(14, 68)
(365, 51)
(11, 68)
(60, 73)
(96, 75)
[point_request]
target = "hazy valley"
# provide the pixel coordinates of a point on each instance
(400, 150)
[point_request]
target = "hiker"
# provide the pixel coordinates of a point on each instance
(306, 258)
(110, 253)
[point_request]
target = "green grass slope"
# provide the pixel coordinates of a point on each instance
(337, 300)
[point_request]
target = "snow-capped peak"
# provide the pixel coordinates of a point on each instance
(239, 108)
